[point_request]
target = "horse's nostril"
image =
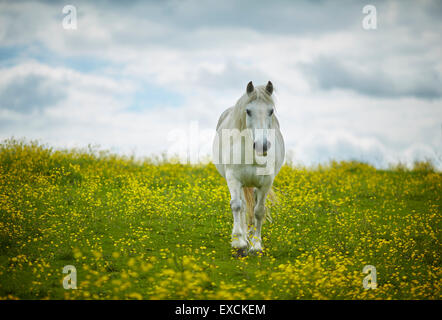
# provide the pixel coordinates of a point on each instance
(264, 147)
(261, 147)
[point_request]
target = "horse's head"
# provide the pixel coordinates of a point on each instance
(259, 116)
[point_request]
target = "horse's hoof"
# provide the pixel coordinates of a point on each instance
(240, 253)
(256, 252)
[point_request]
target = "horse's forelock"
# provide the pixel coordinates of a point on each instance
(260, 93)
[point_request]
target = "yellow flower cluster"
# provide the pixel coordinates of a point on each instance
(157, 230)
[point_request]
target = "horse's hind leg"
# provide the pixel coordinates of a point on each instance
(239, 235)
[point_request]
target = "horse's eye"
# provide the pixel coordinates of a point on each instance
(271, 112)
(249, 113)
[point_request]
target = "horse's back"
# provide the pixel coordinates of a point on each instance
(221, 123)
(223, 117)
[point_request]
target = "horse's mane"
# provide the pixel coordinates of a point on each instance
(260, 93)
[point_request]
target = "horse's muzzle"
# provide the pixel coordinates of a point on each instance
(261, 147)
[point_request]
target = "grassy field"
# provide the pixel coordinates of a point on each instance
(156, 230)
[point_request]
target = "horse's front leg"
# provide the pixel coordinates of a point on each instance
(239, 235)
(261, 194)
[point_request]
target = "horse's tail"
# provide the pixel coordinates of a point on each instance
(249, 196)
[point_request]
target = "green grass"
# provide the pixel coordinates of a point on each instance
(156, 230)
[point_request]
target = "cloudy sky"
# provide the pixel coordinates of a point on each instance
(147, 77)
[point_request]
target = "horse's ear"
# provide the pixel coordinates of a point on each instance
(250, 88)
(269, 88)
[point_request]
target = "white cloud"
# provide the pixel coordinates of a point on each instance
(207, 54)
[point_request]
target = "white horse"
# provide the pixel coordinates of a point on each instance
(251, 173)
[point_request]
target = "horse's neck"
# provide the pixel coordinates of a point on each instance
(275, 123)
(232, 121)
